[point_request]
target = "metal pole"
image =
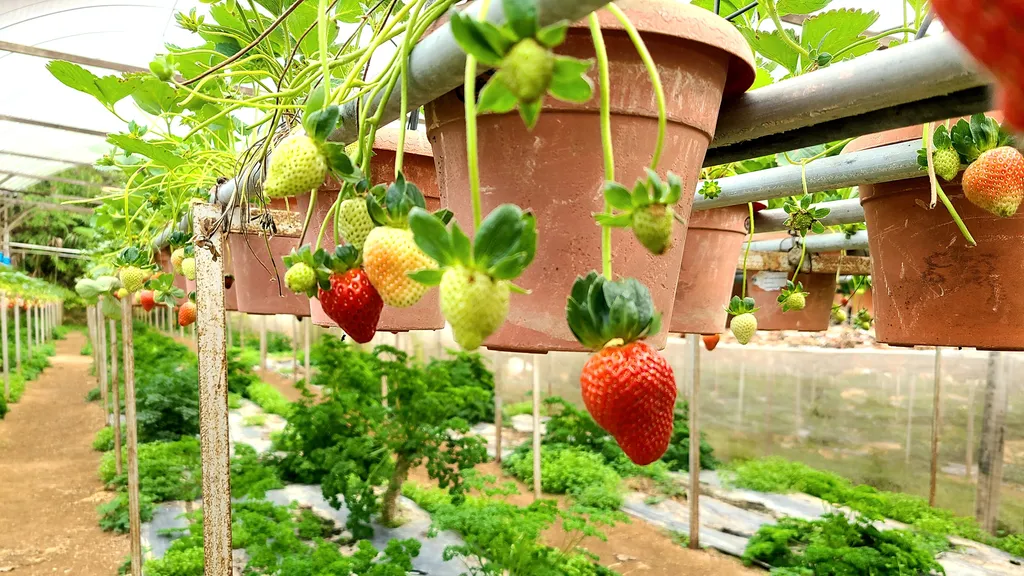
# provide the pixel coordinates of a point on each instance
(969, 453)
(295, 349)
(28, 326)
(101, 345)
(936, 424)
(3, 328)
(910, 418)
(263, 343)
(498, 416)
(739, 406)
(213, 395)
(840, 212)
(115, 385)
(17, 335)
(536, 428)
(308, 323)
(815, 243)
(990, 455)
(135, 524)
(227, 325)
(693, 498)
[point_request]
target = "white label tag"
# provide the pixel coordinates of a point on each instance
(771, 281)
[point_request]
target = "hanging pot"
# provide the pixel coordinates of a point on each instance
(418, 167)
(714, 242)
(764, 287)
(163, 259)
(933, 289)
(556, 171)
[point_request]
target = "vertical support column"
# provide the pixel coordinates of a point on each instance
(134, 522)
(498, 416)
(242, 317)
(990, 456)
(910, 419)
(28, 326)
(115, 385)
(3, 329)
(227, 326)
(969, 452)
(40, 336)
(101, 344)
(739, 406)
(263, 343)
(536, 426)
(213, 392)
(306, 343)
(936, 425)
(693, 498)
(17, 335)
(295, 350)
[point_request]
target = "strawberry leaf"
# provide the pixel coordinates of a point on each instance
(498, 234)
(963, 141)
(530, 113)
(496, 98)
(985, 131)
(521, 16)
(472, 41)
(941, 138)
(427, 277)
(617, 196)
(320, 123)
(462, 248)
(553, 35)
(431, 236)
(569, 82)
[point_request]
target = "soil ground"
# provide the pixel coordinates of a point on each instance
(635, 548)
(49, 489)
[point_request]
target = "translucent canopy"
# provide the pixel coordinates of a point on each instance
(46, 127)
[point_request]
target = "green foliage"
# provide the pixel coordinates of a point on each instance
(269, 398)
(240, 374)
(93, 395)
(104, 439)
(167, 470)
(349, 441)
(234, 401)
(250, 475)
(167, 390)
(677, 457)
(471, 381)
(114, 514)
(574, 471)
(284, 541)
(835, 545)
(86, 348)
(524, 407)
(501, 538)
(255, 420)
(3, 407)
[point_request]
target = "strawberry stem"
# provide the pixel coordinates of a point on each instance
(803, 253)
(743, 289)
(956, 217)
(652, 70)
(606, 136)
(472, 154)
(404, 70)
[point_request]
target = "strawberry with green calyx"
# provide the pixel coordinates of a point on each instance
(710, 189)
(187, 313)
(390, 252)
(348, 297)
(353, 216)
(862, 319)
(647, 209)
(627, 386)
(744, 323)
(475, 278)
(307, 271)
(121, 293)
(792, 297)
(522, 53)
(994, 178)
(300, 162)
(188, 268)
(147, 300)
(133, 269)
(802, 217)
(178, 241)
(838, 314)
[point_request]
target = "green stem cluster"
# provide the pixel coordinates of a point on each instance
(606, 136)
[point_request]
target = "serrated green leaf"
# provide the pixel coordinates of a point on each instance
(941, 139)
(508, 268)
(773, 47)
(108, 90)
(156, 97)
(431, 236)
(818, 227)
(521, 16)
(618, 196)
(801, 6)
(641, 197)
(303, 17)
(498, 234)
(553, 35)
(111, 308)
(570, 82)
(472, 40)
(985, 131)
(349, 11)
(320, 123)
(614, 221)
(427, 277)
(530, 113)
(496, 98)
(315, 101)
(762, 79)
(161, 153)
(341, 164)
(836, 29)
(963, 141)
(795, 156)
(462, 248)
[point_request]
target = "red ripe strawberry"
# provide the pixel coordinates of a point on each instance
(147, 298)
(187, 314)
(353, 303)
(995, 181)
(631, 392)
(711, 341)
(993, 32)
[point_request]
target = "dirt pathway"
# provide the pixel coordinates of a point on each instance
(49, 487)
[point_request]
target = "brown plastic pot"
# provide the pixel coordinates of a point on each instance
(929, 287)
(418, 168)
(163, 259)
(764, 288)
(556, 171)
(258, 288)
(714, 242)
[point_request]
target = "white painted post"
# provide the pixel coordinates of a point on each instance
(936, 425)
(910, 418)
(213, 392)
(693, 498)
(739, 407)
(3, 329)
(101, 350)
(17, 335)
(263, 343)
(536, 427)
(306, 343)
(993, 438)
(115, 386)
(134, 521)
(499, 375)
(295, 349)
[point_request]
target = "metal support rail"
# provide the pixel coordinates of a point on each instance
(817, 243)
(841, 212)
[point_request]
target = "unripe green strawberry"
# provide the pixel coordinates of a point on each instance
(354, 221)
(652, 226)
(744, 327)
(300, 278)
(121, 293)
(176, 259)
(947, 163)
(795, 301)
(297, 166)
(188, 268)
(995, 181)
(132, 278)
(389, 255)
(527, 70)
(474, 304)
(838, 316)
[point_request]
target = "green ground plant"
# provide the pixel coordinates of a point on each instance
(573, 471)
(104, 439)
(270, 399)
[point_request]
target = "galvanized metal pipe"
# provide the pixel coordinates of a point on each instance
(132, 434)
(817, 243)
(919, 70)
(884, 164)
(840, 212)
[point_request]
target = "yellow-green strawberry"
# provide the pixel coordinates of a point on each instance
(300, 278)
(474, 304)
(389, 256)
(188, 268)
(121, 293)
(132, 278)
(838, 315)
(354, 221)
(176, 259)
(297, 166)
(744, 327)
(527, 70)
(795, 301)
(947, 163)
(652, 226)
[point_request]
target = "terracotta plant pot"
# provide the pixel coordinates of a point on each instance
(764, 287)
(932, 289)
(714, 242)
(556, 171)
(418, 168)
(258, 289)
